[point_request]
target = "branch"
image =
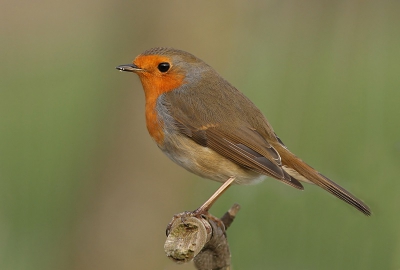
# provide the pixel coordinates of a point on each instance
(200, 237)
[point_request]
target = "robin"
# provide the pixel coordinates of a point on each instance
(204, 124)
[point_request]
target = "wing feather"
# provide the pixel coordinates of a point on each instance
(245, 146)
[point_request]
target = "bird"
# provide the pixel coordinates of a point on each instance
(204, 124)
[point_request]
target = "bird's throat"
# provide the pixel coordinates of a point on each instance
(154, 87)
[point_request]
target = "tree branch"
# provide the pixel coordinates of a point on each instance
(200, 237)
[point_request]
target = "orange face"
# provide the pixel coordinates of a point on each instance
(155, 82)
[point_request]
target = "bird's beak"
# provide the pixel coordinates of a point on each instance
(129, 67)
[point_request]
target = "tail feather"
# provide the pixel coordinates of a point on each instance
(343, 194)
(293, 162)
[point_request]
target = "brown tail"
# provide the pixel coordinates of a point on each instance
(315, 177)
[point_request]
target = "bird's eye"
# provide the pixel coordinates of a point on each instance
(163, 67)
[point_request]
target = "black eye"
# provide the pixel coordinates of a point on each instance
(163, 67)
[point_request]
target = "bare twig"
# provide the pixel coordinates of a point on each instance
(202, 237)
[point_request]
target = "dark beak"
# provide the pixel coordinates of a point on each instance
(128, 67)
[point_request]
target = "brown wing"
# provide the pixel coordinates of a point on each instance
(244, 145)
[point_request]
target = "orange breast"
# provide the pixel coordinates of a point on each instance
(154, 125)
(154, 86)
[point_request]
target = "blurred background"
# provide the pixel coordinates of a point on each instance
(82, 185)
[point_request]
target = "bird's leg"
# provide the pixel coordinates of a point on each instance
(207, 205)
(202, 211)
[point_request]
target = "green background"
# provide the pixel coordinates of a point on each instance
(82, 185)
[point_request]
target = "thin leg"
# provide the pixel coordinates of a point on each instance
(207, 205)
